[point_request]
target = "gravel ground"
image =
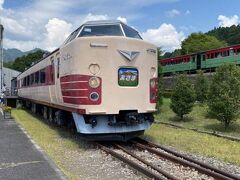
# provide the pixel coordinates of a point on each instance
(89, 162)
(92, 163)
(233, 169)
(174, 169)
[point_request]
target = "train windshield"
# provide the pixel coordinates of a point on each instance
(101, 30)
(130, 32)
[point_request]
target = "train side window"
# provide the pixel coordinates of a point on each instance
(31, 79)
(28, 81)
(24, 81)
(52, 71)
(193, 58)
(58, 66)
(203, 57)
(42, 76)
(238, 51)
(36, 77)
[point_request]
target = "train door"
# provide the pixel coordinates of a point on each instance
(53, 96)
(57, 78)
(199, 61)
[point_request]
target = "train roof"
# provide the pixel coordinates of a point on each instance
(101, 22)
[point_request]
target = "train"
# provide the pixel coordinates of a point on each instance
(207, 60)
(103, 80)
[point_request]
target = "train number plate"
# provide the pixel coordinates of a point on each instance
(128, 77)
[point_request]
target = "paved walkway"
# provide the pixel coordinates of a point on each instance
(20, 158)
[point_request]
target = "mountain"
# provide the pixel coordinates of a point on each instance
(10, 55)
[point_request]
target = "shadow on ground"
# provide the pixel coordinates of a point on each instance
(179, 120)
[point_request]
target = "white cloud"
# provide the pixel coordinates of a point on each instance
(1, 4)
(22, 45)
(187, 12)
(173, 13)
(228, 21)
(166, 36)
(57, 32)
(123, 19)
(14, 26)
(92, 17)
(37, 24)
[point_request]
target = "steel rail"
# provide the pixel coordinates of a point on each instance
(133, 164)
(167, 175)
(183, 162)
(202, 164)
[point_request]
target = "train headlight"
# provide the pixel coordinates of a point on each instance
(94, 82)
(94, 96)
(153, 83)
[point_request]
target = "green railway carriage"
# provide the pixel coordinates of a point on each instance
(203, 60)
(178, 64)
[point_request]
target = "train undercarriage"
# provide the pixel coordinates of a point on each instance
(117, 127)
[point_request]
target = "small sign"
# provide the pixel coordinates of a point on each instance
(128, 77)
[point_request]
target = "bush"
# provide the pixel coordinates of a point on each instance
(201, 87)
(183, 97)
(224, 94)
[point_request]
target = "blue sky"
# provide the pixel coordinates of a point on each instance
(46, 23)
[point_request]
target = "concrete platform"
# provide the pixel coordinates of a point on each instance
(20, 158)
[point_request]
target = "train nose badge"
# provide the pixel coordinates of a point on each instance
(129, 55)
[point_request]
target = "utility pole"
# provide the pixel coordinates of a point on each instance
(1, 49)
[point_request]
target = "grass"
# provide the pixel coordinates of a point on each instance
(54, 141)
(194, 142)
(198, 118)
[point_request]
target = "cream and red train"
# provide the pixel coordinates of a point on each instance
(104, 76)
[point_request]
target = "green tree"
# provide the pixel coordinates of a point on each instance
(224, 95)
(21, 63)
(198, 42)
(201, 87)
(231, 34)
(183, 96)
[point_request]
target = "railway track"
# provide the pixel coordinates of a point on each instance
(152, 171)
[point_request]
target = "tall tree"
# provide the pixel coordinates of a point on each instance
(201, 87)
(183, 97)
(224, 95)
(198, 42)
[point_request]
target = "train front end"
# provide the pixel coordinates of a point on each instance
(112, 80)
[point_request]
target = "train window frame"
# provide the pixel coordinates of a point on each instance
(72, 36)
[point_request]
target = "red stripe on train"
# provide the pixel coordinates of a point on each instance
(75, 85)
(75, 93)
(74, 77)
(79, 92)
